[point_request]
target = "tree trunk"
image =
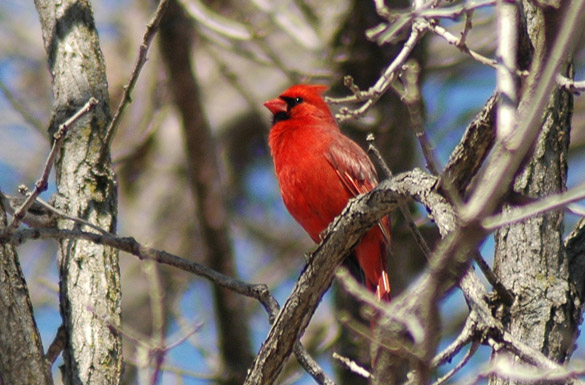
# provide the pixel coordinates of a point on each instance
(21, 350)
(86, 185)
(530, 257)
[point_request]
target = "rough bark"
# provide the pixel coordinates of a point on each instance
(176, 35)
(21, 350)
(470, 153)
(90, 277)
(530, 256)
(575, 246)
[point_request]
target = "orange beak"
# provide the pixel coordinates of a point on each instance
(276, 105)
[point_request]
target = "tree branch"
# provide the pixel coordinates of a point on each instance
(42, 182)
(149, 34)
(260, 292)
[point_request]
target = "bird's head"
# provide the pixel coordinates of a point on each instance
(300, 102)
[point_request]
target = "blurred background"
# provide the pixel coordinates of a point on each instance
(242, 53)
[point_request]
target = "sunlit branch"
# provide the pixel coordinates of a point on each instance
(454, 12)
(571, 85)
(549, 203)
(352, 365)
(217, 23)
(459, 43)
(502, 167)
(504, 367)
(507, 24)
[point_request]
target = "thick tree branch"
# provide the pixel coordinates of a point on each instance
(471, 151)
(89, 273)
(260, 292)
(343, 234)
(507, 24)
(504, 163)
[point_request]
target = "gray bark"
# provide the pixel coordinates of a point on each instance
(21, 350)
(530, 259)
(90, 278)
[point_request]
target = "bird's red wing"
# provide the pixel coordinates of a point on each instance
(356, 172)
(358, 175)
(352, 165)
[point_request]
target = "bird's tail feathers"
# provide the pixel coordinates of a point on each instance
(383, 287)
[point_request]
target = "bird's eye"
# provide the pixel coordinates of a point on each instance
(291, 102)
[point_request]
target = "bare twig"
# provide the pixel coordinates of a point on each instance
(506, 368)
(571, 85)
(151, 29)
(459, 43)
(466, 335)
(419, 239)
(472, 349)
(383, 84)
(576, 209)
(42, 182)
(469, 154)
(150, 348)
(549, 203)
(53, 212)
(311, 366)
(130, 245)
(412, 99)
(352, 365)
(398, 20)
(36, 216)
(546, 368)
(57, 345)
(349, 284)
(466, 28)
(489, 274)
(371, 139)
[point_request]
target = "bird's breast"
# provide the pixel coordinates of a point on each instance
(310, 188)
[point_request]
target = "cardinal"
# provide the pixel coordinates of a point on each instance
(319, 169)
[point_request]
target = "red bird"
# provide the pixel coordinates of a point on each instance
(319, 169)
